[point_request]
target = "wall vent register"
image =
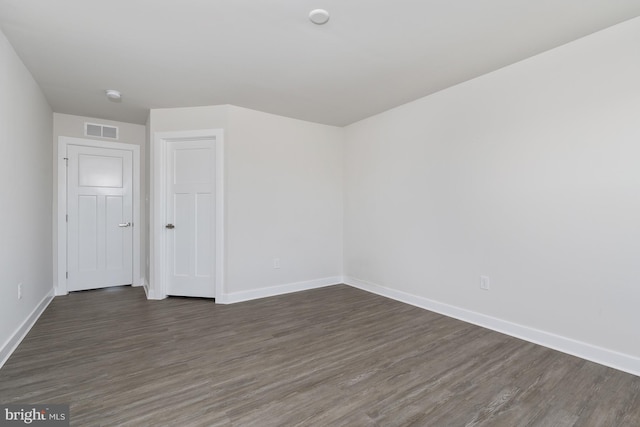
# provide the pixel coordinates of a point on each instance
(101, 131)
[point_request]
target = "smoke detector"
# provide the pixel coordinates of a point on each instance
(319, 16)
(113, 95)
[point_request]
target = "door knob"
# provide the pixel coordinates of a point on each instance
(170, 226)
(126, 224)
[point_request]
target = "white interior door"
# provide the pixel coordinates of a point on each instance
(100, 216)
(190, 215)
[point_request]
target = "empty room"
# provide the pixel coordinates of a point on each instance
(320, 213)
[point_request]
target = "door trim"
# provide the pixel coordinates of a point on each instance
(61, 243)
(157, 215)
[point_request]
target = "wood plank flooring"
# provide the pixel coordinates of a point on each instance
(335, 356)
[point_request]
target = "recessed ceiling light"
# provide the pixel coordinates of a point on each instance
(113, 94)
(319, 16)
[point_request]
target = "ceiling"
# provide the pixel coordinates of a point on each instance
(265, 54)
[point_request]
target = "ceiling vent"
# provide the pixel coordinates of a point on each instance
(101, 131)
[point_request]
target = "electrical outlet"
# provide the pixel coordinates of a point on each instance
(484, 283)
(276, 263)
(19, 290)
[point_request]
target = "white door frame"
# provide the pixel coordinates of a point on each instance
(63, 142)
(157, 218)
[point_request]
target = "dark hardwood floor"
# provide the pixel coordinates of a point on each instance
(335, 356)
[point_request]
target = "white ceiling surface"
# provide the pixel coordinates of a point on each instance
(265, 54)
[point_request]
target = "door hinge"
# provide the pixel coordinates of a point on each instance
(67, 274)
(66, 218)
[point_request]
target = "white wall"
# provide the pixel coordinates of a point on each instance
(283, 190)
(128, 133)
(190, 118)
(146, 159)
(529, 175)
(25, 195)
(284, 200)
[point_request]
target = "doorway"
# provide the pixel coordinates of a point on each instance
(187, 211)
(98, 214)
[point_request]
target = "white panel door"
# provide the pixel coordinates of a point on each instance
(191, 218)
(100, 212)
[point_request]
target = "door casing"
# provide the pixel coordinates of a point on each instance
(61, 243)
(157, 288)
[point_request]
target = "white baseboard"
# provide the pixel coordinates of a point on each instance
(150, 293)
(12, 343)
(603, 356)
(145, 286)
(235, 297)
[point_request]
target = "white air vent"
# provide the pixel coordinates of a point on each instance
(101, 131)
